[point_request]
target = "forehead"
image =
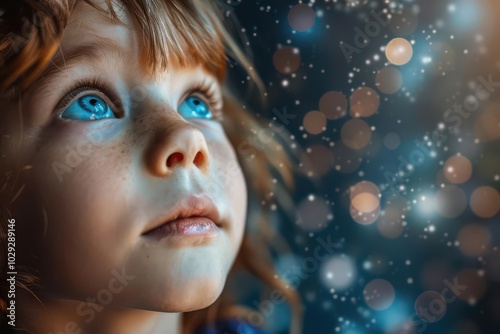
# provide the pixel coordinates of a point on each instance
(93, 40)
(92, 27)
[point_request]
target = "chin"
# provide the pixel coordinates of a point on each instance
(175, 279)
(195, 294)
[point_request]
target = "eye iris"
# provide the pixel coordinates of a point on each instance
(195, 107)
(199, 107)
(93, 104)
(88, 108)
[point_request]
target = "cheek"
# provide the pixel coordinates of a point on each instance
(238, 195)
(81, 190)
(230, 176)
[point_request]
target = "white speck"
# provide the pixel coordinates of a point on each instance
(426, 60)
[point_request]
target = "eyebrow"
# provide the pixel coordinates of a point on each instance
(86, 53)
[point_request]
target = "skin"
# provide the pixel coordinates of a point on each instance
(87, 221)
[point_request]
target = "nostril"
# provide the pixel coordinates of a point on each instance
(199, 159)
(174, 158)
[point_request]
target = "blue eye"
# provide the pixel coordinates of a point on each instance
(194, 107)
(88, 108)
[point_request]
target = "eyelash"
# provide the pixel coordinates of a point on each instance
(207, 91)
(203, 89)
(86, 85)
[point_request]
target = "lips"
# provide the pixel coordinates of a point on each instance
(192, 215)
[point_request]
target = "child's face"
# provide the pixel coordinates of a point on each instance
(105, 180)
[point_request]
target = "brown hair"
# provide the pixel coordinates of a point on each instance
(31, 35)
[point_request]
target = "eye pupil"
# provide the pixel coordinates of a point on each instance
(194, 107)
(93, 102)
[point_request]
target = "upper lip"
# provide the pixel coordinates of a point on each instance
(190, 206)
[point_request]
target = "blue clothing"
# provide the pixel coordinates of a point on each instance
(231, 326)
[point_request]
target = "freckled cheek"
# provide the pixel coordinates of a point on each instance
(82, 191)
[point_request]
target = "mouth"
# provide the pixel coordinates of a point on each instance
(191, 216)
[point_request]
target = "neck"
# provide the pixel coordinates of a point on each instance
(64, 317)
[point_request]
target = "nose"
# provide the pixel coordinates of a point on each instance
(182, 147)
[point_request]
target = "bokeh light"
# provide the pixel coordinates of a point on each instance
(485, 202)
(475, 283)
(362, 188)
(301, 17)
(365, 202)
(339, 272)
(364, 102)
(315, 122)
(379, 294)
(333, 104)
(399, 51)
(363, 217)
(356, 134)
(474, 240)
(286, 59)
(487, 127)
(457, 169)
(391, 222)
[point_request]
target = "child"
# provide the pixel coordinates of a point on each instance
(126, 166)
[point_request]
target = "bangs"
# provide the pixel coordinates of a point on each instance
(178, 33)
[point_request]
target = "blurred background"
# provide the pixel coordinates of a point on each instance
(393, 108)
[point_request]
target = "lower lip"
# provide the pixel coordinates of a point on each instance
(189, 226)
